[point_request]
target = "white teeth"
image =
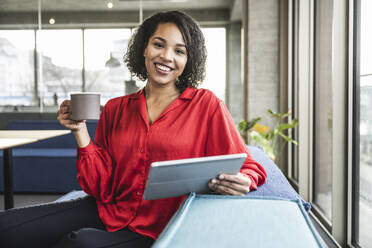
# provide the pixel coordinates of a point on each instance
(163, 67)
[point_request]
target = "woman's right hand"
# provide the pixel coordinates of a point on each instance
(65, 117)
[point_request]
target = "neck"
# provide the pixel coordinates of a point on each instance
(162, 91)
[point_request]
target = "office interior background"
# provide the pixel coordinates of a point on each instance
(313, 57)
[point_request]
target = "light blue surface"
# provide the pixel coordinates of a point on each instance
(75, 194)
(229, 221)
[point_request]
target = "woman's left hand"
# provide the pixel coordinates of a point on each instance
(230, 184)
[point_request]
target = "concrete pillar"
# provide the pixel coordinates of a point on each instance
(233, 76)
(263, 58)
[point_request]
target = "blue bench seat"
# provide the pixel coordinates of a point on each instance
(46, 166)
(274, 215)
(44, 170)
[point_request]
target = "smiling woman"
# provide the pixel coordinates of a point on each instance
(165, 55)
(192, 41)
(169, 119)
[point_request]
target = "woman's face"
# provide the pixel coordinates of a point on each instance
(165, 55)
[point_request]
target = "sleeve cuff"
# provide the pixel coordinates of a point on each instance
(86, 149)
(253, 185)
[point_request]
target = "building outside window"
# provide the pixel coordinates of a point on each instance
(365, 125)
(89, 60)
(62, 64)
(104, 65)
(215, 80)
(17, 68)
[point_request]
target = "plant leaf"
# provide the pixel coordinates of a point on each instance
(252, 122)
(286, 126)
(242, 125)
(246, 126)
(278, 115)
(287, 138)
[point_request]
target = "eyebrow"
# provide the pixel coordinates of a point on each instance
(163, 40)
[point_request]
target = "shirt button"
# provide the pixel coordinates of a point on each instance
(138, 193)
(142, 150)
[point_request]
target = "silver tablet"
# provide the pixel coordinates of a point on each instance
(179, 177)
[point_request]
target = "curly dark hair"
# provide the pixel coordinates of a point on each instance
(194, 71)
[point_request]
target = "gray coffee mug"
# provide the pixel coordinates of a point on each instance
(85, 106)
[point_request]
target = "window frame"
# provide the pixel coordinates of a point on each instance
(354, 122)
(292, 89)
(320, 215)
(341, 142)
(38, 77)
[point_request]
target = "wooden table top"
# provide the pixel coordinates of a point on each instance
(13, 138)
(13, 142)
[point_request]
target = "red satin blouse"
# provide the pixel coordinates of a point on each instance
(114, 169)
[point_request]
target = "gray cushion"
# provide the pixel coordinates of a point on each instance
(233, 221)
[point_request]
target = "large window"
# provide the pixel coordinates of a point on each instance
(322, 194)
(365, 125)
(89, 60)
(215, 41)
(62, 64)
(17, 69)
(104, 67)
(335, 81)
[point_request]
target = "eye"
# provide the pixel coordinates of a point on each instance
(158, 44)
(180, 51)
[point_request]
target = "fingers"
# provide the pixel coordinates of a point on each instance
(222, 188)
(226, 184)
(72, 125)
(65, 103)
(238, 178)
(65, 107)
(65, 116)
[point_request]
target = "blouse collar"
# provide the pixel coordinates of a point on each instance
(187, 94)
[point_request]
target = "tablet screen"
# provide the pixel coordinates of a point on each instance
(179, 177)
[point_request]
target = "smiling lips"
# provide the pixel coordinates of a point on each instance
(163, 68)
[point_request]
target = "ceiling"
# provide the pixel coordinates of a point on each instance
(119, 5)
(95, 13)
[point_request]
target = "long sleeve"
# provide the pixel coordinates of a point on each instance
(223, 138)
(94, 163)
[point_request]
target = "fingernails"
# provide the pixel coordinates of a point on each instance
(220, 177)
(214, 181)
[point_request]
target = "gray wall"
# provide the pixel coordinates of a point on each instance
(263, 58)
(234, 89)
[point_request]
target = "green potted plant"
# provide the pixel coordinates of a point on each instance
(272, 141)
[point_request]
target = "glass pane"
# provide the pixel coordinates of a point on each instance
(295, 80)
(104, 68)
(365, 202)
(323, 107)
(17, 70)
(215, 42)
(62, 64)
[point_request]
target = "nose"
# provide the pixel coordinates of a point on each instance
(167, 54)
